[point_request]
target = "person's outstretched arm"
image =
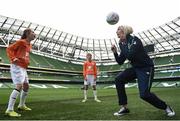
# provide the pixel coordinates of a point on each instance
(119, 58)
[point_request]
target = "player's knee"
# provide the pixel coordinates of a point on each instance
(26, 87)
(94, 87)
(118, 81)
(19, 87)
(86, 87)
(144, 96)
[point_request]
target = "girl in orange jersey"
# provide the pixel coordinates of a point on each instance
(18, 54)
(90, 76)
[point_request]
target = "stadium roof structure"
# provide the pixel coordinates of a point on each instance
(71, 48)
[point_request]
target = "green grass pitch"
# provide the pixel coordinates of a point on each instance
(65, 104)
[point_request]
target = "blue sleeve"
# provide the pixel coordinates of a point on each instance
(120, 58)
(135, 48)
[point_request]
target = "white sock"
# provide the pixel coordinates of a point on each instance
(23, 98)
(95, 94)
(12, 99)
(85, 94)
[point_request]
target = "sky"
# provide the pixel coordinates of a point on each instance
(87, 18)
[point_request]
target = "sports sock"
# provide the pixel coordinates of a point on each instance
(95, 94)
(23, 98)
(12, 99)
(85, 94)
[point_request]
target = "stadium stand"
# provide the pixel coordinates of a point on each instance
(58, 56)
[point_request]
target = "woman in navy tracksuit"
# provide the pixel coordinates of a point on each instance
(142, 68)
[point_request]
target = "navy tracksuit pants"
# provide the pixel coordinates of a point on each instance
(144, 77)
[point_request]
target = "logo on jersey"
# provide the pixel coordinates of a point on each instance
(90, 67)
(134, 42)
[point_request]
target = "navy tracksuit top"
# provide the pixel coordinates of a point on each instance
(134, 51)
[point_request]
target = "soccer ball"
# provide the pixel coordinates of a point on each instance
(112, 18)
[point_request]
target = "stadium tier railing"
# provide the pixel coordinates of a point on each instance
(54, 70)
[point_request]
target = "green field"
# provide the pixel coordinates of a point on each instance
(65, 104)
